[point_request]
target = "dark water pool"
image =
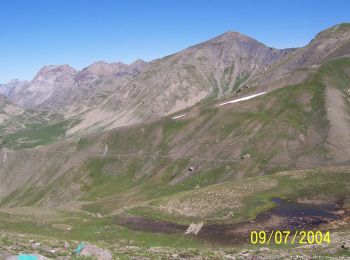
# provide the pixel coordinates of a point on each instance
(293, 209)
(291, 215)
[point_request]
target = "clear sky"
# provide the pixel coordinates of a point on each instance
(79, 32)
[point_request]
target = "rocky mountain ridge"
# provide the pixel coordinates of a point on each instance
(55, 86)
(13, 87)
(108, 95)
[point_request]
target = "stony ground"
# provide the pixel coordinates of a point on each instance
(14, 244)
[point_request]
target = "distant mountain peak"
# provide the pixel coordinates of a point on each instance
(63, 67)
(105, 63)
(13, 87)
(104, 69)
(232, 35)
(53, 71)
(137, 65)
(16, 81)
(138, 61)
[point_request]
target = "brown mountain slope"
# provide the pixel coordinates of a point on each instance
(217, 68)
(211, 69)
(329, 44)
(8, 109)
(105, 96)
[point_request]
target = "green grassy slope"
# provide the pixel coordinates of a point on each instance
(33, 128)
(283, 130)
(249, 197)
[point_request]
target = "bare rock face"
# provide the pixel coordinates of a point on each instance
(50, 82)
(13, 87)
(61, 86)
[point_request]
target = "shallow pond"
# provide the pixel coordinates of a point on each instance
(286, 215)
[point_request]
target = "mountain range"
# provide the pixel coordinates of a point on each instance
(120, 94)
(107, 95)
(219, 138)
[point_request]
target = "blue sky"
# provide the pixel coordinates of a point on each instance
(80, 32)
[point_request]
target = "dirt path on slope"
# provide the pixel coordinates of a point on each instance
(339, 131)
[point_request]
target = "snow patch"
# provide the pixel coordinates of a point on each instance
(105, 151)
(179, 116)
(242, 99)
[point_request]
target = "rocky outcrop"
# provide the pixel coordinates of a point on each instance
(90, 250)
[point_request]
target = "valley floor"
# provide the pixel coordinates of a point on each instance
(148, 231)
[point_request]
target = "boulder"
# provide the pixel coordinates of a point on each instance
(194, 228)
(91, 250)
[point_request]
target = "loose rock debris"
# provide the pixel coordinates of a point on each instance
(26, 257)
(194, 228)
(89, 250)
